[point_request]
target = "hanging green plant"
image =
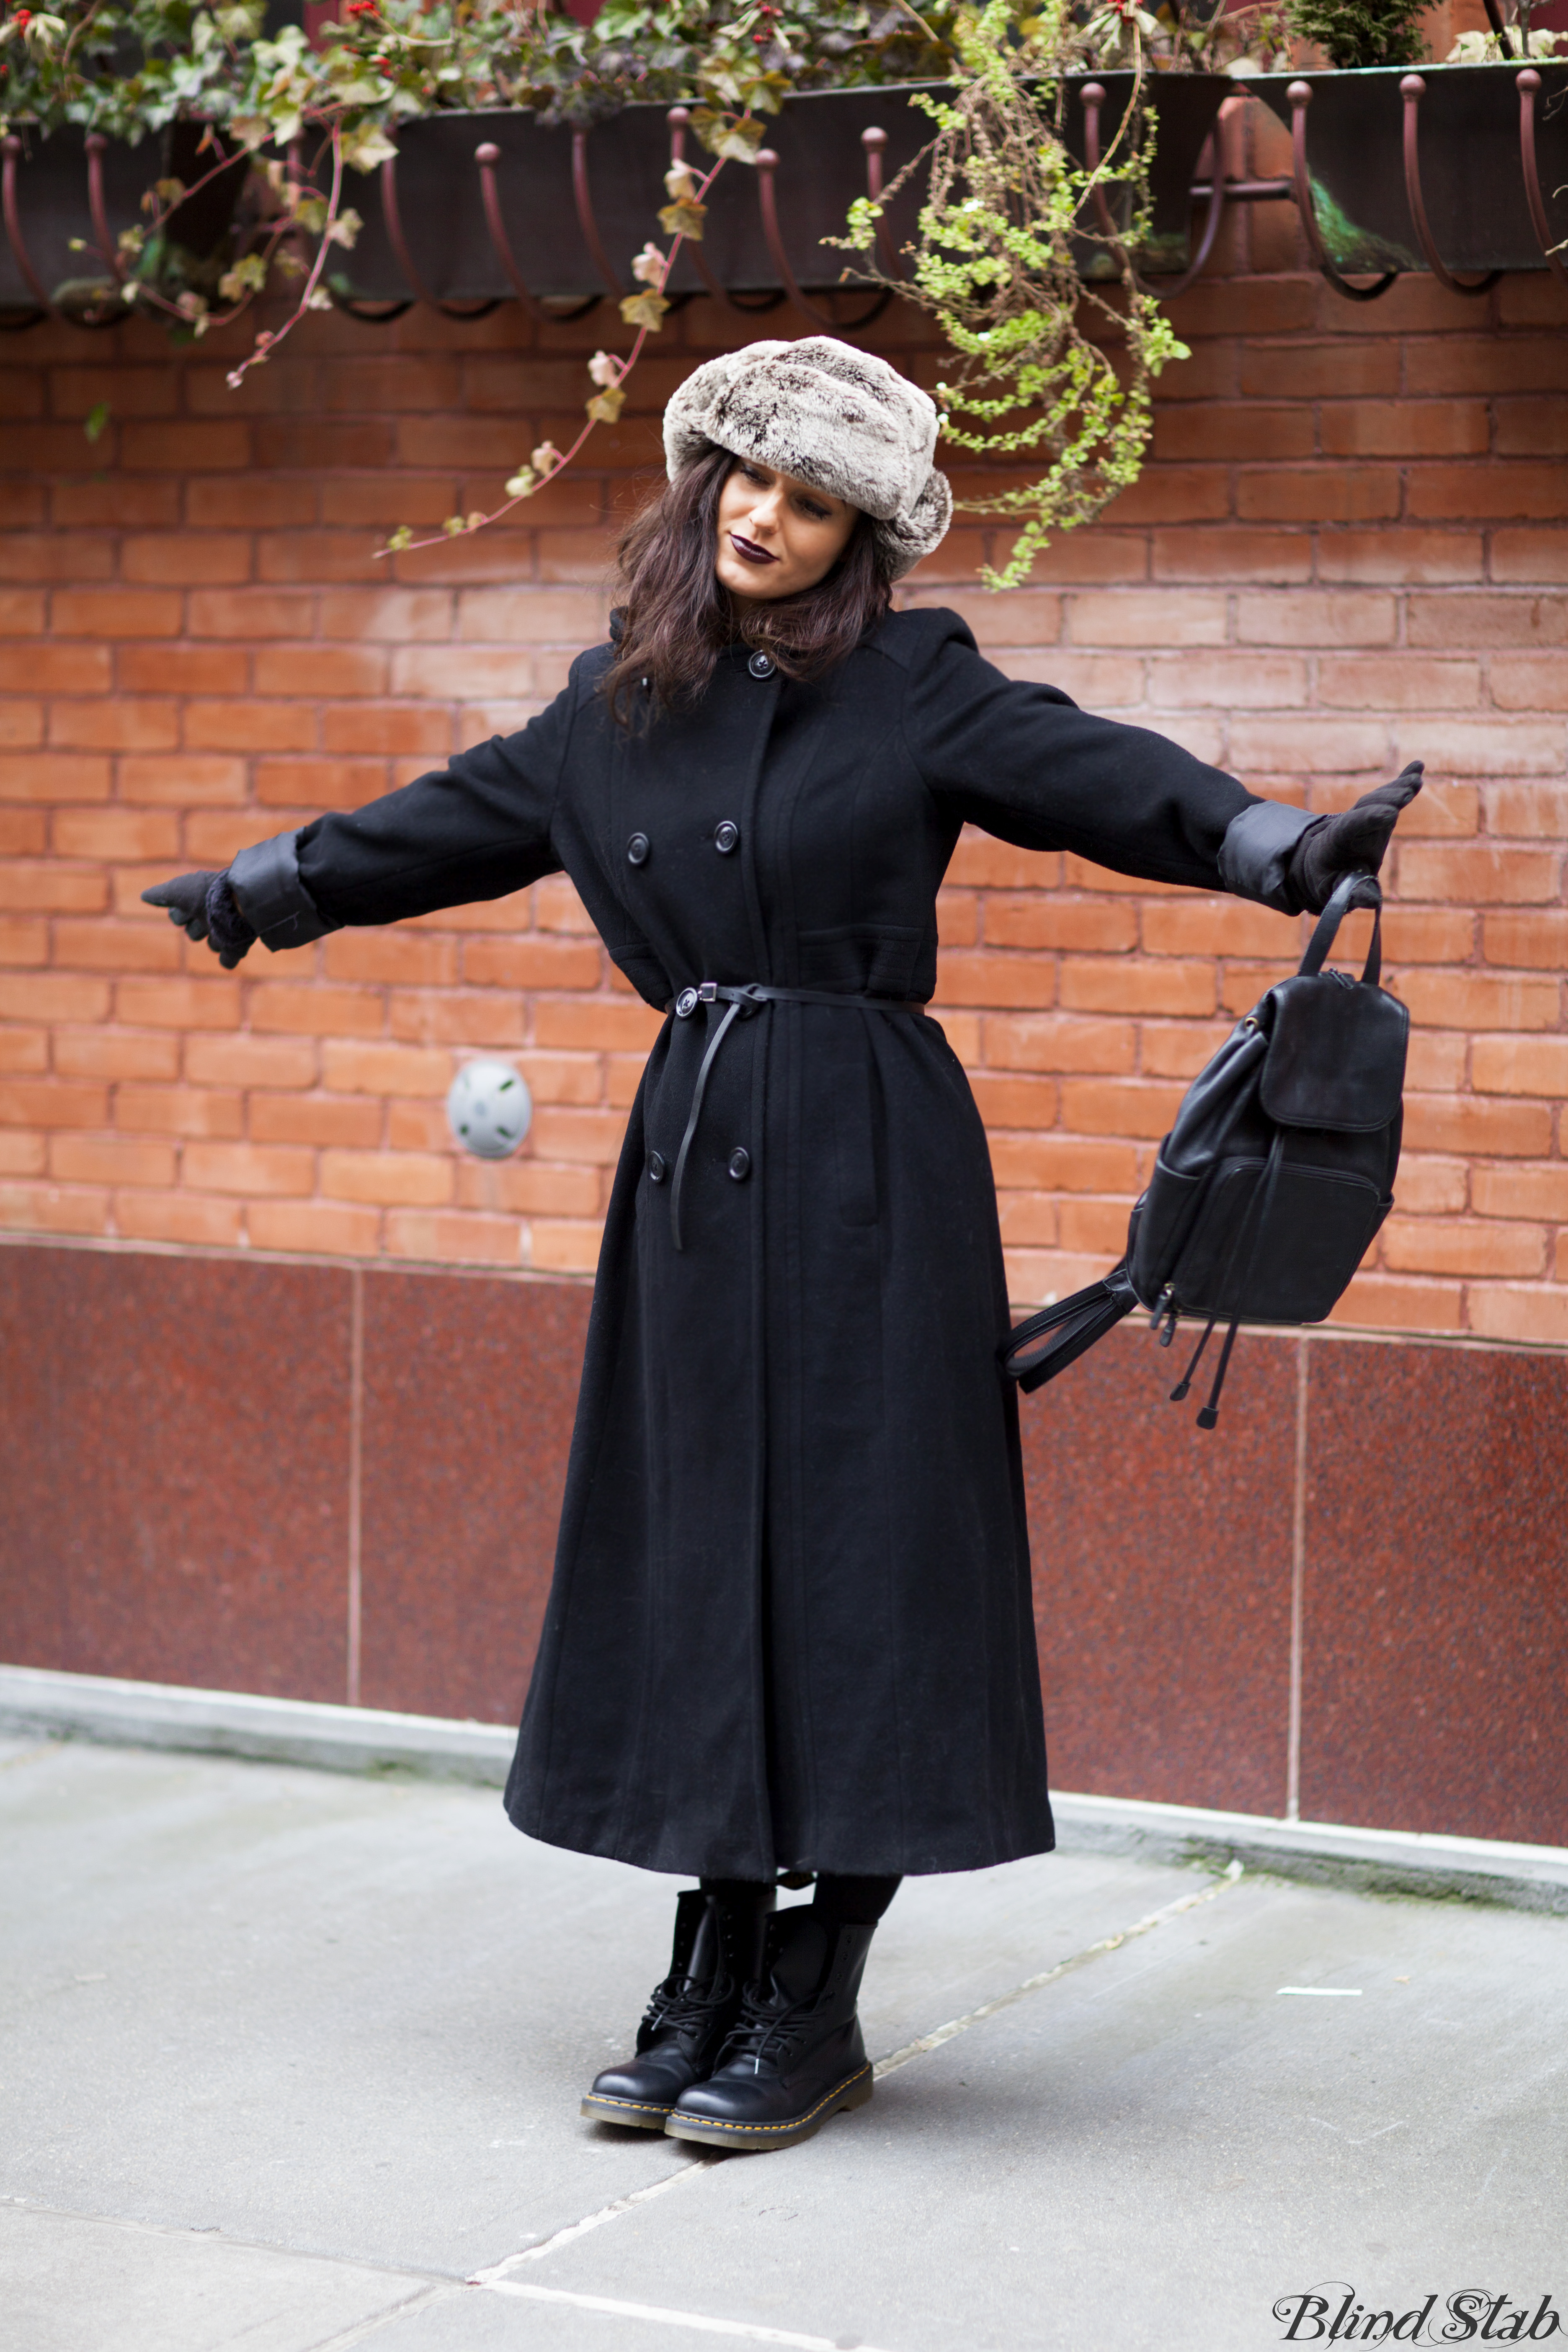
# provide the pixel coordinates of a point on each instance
(1055, 368)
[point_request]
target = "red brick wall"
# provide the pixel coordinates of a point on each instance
(1347, 552)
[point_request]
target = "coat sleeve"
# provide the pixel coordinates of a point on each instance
(1024, 762)
(477, 829)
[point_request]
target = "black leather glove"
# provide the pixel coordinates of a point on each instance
(1355, 841)
(204, 907)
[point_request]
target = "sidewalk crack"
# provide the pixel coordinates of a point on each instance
(927, 2041)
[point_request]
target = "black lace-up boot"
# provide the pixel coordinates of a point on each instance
(795, 2056)
(718, 1948)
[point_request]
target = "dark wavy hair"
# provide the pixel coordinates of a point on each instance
(675, 617)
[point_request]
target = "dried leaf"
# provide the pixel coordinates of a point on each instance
(734, 137)
(643, 310)
(367, 146)
(248, 276)
(683, 219)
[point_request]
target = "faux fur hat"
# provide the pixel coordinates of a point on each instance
(840, 419)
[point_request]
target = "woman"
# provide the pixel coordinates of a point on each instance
(790, 1634)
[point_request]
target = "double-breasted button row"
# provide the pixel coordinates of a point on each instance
(739, 1164)
(726, 839)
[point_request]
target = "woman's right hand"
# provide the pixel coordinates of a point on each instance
(204, 907)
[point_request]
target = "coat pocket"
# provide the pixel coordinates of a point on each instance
(854, 1126)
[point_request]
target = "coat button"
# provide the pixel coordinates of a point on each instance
(739, 1163)
(761, 665)
(656, 1168)
(725, 836)
(638, 849)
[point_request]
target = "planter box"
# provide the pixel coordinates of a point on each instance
(1471, 178)
(821, 169)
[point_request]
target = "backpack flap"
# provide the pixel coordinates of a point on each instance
(1336, 1057)
(1337, 1046)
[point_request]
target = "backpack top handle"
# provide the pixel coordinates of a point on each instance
(1358, 889)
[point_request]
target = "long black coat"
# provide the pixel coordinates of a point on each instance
(791, 1624)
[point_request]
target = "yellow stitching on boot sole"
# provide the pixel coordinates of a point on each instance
(718, 2123)
(638, 2106)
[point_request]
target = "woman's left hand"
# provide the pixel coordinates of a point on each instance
(1354, 842)
(204, 907)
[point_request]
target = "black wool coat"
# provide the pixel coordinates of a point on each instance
(790, 1622)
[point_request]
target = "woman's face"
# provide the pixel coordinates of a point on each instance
(776, 535)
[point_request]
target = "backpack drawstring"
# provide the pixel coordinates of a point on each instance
(1184, 1383)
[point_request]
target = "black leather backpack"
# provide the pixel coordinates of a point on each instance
(1277, 1174)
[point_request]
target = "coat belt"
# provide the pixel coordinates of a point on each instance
(742, 1000)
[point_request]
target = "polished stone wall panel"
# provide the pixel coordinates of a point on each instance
(470, 1391)
(175, 1496)
(175, 1507)
(1163, 1565)
(1435, 1686)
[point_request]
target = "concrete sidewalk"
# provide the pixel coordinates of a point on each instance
(292, 2059)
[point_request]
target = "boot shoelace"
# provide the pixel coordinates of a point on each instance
(767, 2027)
(674, 2009)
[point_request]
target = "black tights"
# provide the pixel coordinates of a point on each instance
(857, 1902)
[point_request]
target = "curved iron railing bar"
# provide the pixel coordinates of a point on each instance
(1413, 89)
(1300, 97)
(487, 157)
(1093, 96)
(1248, 192)
(582, 197)
(95, 142)
(677, 118)
(368, 314)
(10, 210)
(767, 164)
(1529, 83)
(10, 147)
(874, 142)
(405, 260)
